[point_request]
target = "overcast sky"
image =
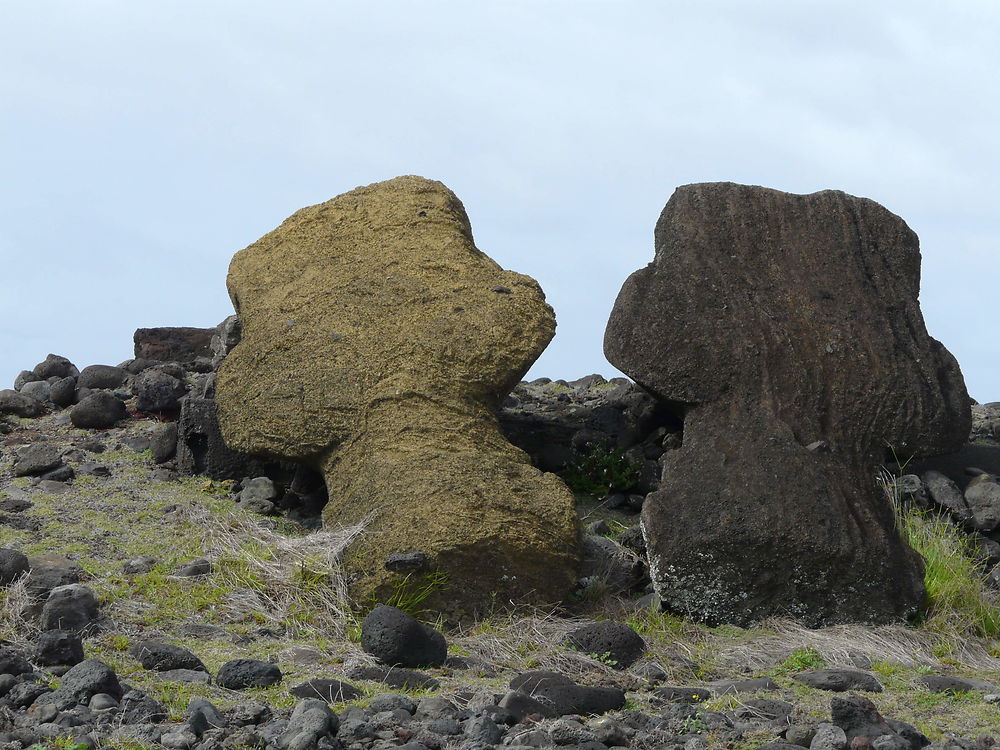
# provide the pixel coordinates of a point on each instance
(143, 143)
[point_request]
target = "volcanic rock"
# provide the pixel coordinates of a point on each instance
(772, 321)
(98, 411)
(12, 402)
(173, 344)
(101, 376)
(54, 366)
(377, 348)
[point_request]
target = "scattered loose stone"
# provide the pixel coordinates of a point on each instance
(12, 662)
(729, 687)
(141, 564)
(163, 442)
(982, 495)
(239, 674)
(839, 680)
(858, 717)
(58, 647)
(311, 720)
(199, 567)
(163, 657)
(36, 459)
(63, 392)
(82, 682)
(613, 643)
(395, 677)
(158, 391)
(938, 683)
(406, 562)
(397, 639)
(13, 565)
(49, 573)
(565, 696)
(71, 607)
(40, 390)
(329, 690)
(259, 495)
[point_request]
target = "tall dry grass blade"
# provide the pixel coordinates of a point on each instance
(292, 581)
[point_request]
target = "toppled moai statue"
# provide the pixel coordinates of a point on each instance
(377, 345)
(786, 329)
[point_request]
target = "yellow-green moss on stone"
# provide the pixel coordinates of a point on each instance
(378, 343)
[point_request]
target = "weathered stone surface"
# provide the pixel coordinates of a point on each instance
(772, 321)
(12, 402)
(101, 376)
(201, 449)
(377, 345)
(178, 344)
(983, 498)
(99, 410)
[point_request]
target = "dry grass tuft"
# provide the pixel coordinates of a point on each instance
(534, 641)
(15, 628)
(904, 646)
(294, 582)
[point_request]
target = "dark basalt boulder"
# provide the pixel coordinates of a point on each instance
(778, 324)
(173, 344)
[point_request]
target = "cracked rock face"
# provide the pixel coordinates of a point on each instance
(775, 323)
(377, 345)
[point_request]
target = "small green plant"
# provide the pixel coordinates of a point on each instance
(958, 599)
(410, 593)
(605, 658)
(694, 724)
(801, 659)
(600, 470)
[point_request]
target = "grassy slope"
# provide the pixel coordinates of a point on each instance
(268, 576)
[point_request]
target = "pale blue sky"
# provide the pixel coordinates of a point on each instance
(143, 143)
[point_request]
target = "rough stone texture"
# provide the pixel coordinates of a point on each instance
(158, 391)
(101, 376)
(772, 321)
(839, 680)
(54, 365)
(173, 344)
(378, 343)
(63, 391)
(37, 458)
(58, 647)
(71, 607)
(983, 498)
(615, 643)
(201, 449)
(238, 674)
(99, 410)
(12, 402)
(163, 657)
(397, 639)
(13, 565)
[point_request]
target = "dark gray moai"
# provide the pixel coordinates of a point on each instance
(786, 329)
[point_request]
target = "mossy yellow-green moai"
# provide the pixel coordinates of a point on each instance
(378, 343)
